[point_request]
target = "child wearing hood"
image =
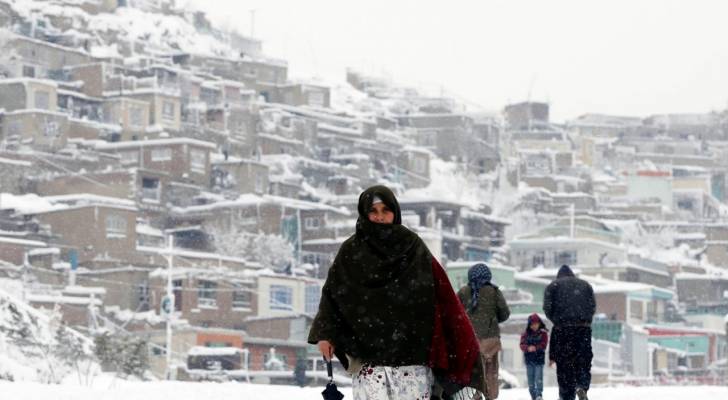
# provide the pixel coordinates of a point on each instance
(533, 344)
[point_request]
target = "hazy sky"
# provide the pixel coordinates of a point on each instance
(621, 57)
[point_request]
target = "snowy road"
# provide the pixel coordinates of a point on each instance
(234, 391)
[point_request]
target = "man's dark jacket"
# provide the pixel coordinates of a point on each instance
(568, 300)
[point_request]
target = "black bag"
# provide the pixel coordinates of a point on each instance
(331, 392)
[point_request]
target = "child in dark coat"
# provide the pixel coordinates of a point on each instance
(533, 344)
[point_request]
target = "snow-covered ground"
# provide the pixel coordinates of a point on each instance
(124, 390)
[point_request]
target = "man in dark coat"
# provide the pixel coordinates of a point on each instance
(570, 305)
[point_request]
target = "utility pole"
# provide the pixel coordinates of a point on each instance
(573, 210)
(169, 302)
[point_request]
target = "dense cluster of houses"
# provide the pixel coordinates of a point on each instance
(122, 171)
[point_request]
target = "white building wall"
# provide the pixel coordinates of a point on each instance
(646, 187)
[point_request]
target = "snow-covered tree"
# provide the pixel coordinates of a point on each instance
(75, 352)
(272, 251)
(127, 355)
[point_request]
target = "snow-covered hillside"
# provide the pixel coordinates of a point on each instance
(158, 32)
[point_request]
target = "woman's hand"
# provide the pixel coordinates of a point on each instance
(326, 349)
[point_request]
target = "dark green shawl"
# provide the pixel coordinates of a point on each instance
(377, 304)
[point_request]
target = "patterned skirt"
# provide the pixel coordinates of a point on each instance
(411, 382)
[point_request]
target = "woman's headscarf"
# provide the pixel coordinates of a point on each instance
(479, 275)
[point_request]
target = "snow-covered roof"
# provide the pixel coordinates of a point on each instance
(630, 265)
(150, 317)
(44, 251)
(687, 276)
(154, 142)
(325, 241)
(531, 279)
(338, 129)
(546, 241)
(214, 351)
(571, 195)
(25, 81)
(86, 198)
(280, 139)
(194, 254)
(34, 204)
(147, 230)
(350, 157)
(84, 290)
(22, 242)
(467, 213)
(468, 264)
(308, 112)
(19, 163)
(37, 111)
(252, 199)
(73, 93)
(59, 299)
(272, 317)
(28, 203)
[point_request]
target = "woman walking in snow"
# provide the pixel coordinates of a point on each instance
(533, 344)
(486, 308)
(389, 314)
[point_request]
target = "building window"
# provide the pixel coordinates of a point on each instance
(168, 110)
(162, 154)
(52, 129)
(313, 297)
(259, 183)
(539, 259)
(686, 204)
(312, 258)
(312, 223)
(218, 344)
(281, 298)
(635, 309)
(206, 294)
(28, 71)
(198, 160)
(631, 276)
(538, 164)
(565, 258)
(150, 189)
(242, 297)
(288, 98)
(143, 295)
(136, 116)
(115, 226)
(129, 157)
(14, 128)
(316, 98)
(42, 100)
(420, 166)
